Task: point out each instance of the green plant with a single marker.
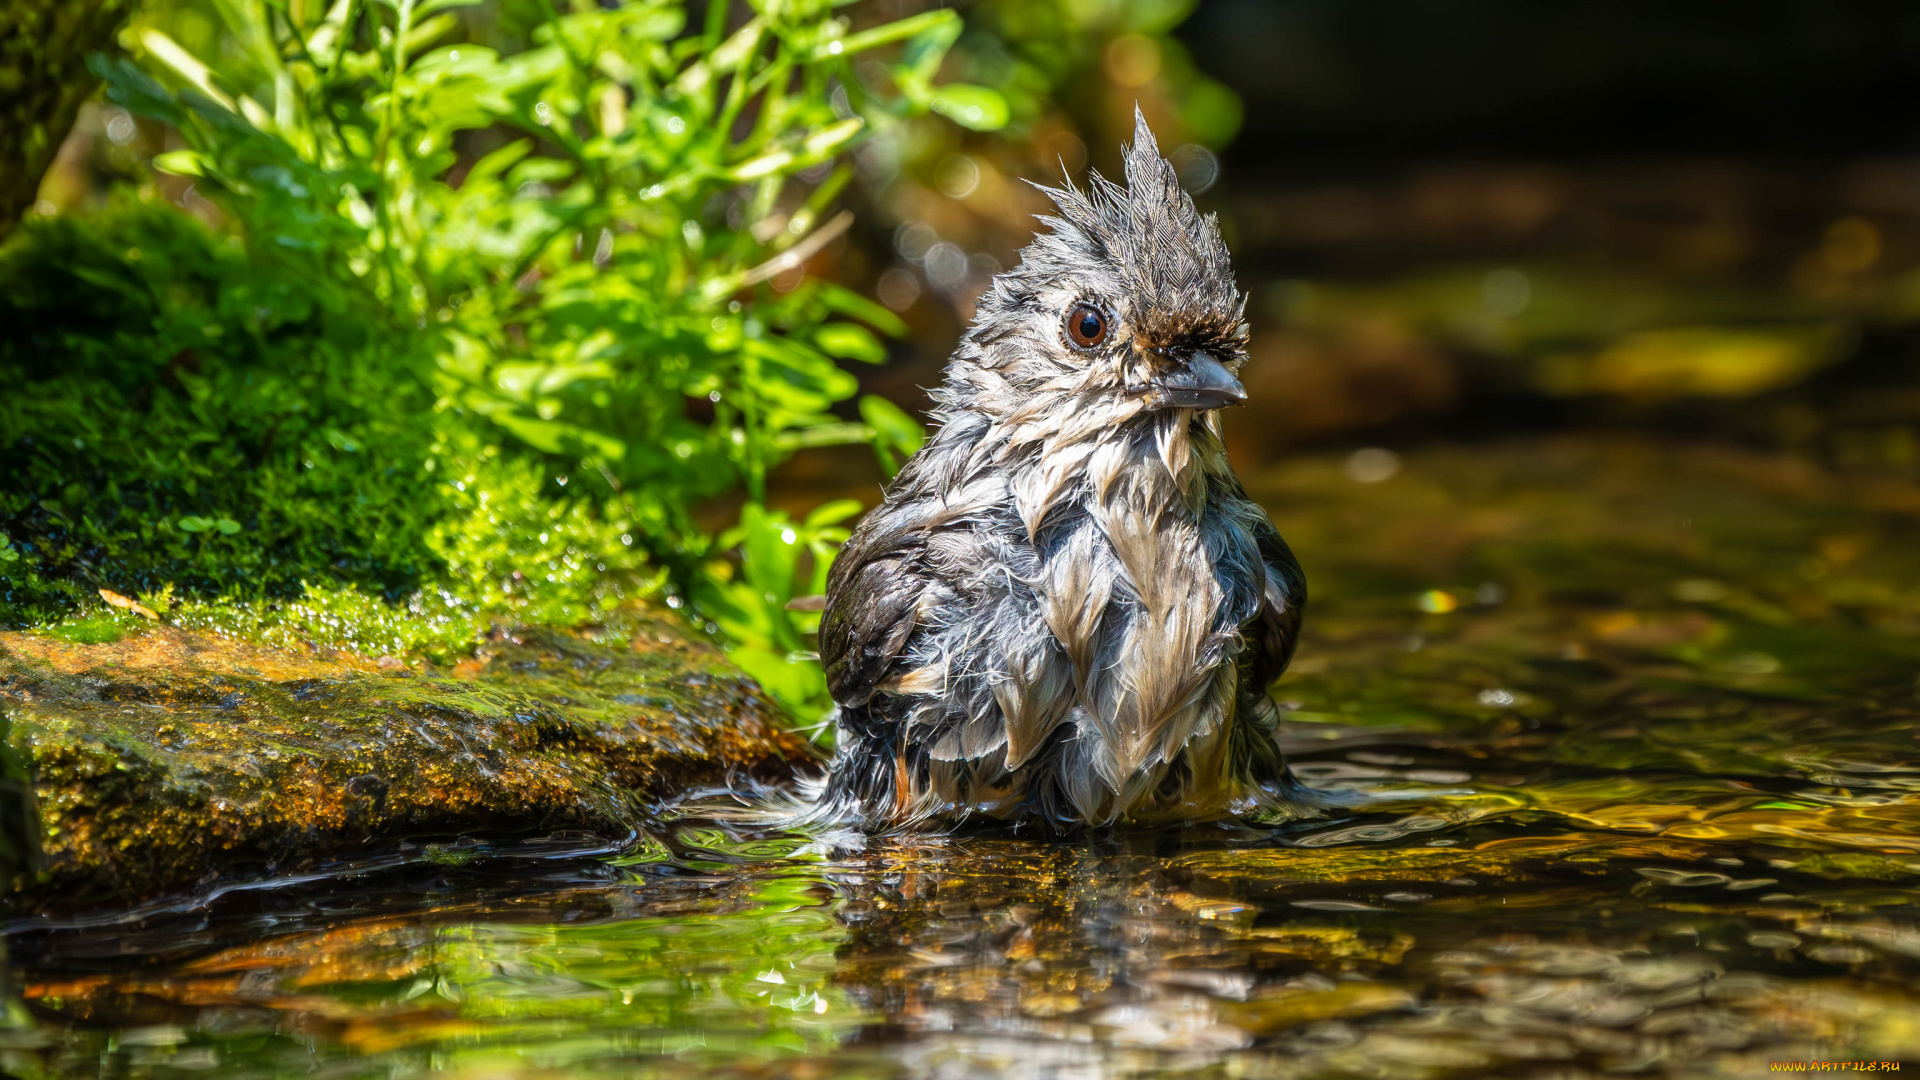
(1046, 53)
(585, 232)
(781, 559)
(178, 413)
(597, 267)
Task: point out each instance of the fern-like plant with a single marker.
(600, 233)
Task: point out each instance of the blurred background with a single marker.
(1491, 216)
(1467, 220)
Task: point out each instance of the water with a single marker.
(1636, 727)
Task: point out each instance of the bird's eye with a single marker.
(1086, 325)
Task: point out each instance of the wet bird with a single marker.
(1066, 610)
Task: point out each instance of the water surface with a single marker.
(1635, 728)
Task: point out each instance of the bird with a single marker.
(1065, 610)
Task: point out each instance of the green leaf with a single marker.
(847, 302)
(849, 342)
(827, 434)
(183, 64)
(558, 437)
(830, 138)
(797, 377)
(834, 512)
(795, 681)
(430, 31)
(924, 53)
(938, 20)
(892, 423)
(431, 6)
(764, 165)
(182, 162)
(498, 161)
(737, 49)
(894, 432)
(973, 107)
(134, 89)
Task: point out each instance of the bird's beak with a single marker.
(1203, 382)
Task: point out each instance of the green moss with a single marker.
(493, 373)
(182, 414)
(19, 813)
(447, 855)
(171, 755)
(89, 630)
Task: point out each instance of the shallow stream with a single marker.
(1630, 732)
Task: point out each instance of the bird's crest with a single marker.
(1169, 257)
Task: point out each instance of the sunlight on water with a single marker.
(1640, 796)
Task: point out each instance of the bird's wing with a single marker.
(872, 593)
(1276, 629)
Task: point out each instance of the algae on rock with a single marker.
(174, 760)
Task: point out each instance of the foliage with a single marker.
(780, 557)
(1038, 53)
(575, 239)
(1072, 73)
(605, 260)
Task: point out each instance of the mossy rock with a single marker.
(174, 762)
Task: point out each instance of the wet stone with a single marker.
(174, 761)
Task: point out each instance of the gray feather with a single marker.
(1066, 609)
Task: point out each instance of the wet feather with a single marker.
(1066, 610)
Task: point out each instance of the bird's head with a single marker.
(1126, 307)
